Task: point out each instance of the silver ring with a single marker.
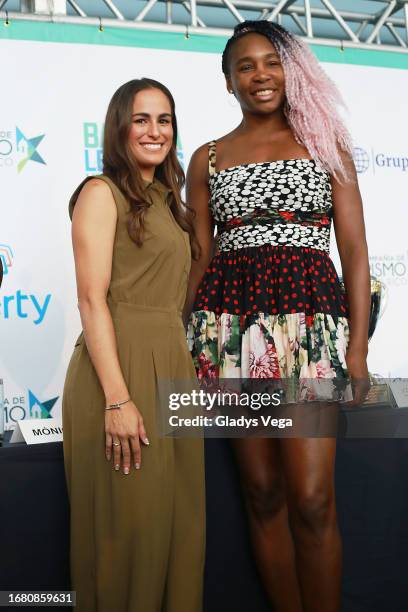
(116, 444)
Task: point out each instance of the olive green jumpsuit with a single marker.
(137, 540)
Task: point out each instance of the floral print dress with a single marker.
(270, 304)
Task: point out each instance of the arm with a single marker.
(352, 246)
(197, 198)
(93, 233)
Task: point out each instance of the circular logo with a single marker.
(5, 147)
(361, 160)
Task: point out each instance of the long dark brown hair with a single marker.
(121, 167)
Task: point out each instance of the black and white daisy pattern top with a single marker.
(284, 202)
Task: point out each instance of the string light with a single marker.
(7, 22)
(100, 25)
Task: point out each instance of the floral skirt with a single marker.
(270, 312)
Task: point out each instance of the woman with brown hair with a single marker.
(137, 535)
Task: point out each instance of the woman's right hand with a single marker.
(124, 429)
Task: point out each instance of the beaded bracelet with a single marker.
(117, 405)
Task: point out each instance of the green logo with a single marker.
(27, 149)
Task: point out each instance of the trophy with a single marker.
(379, 296)
(379, 393)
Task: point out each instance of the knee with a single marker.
(313, 512)
(264, 499)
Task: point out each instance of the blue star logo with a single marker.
(40, 410)
(27, 148)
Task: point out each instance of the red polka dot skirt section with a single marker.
(271, 280)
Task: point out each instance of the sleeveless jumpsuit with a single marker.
(137, 540)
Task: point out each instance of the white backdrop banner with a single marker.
(57, 82)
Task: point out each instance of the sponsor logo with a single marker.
(27, 149)
(391, 269)
(16, 150)
(17, 408)
(6, 257)
(93, 152)
(361, 160)
(377, 161)
(38, 409)
(20, 304)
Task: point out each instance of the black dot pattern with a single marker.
(273, 280)
(288, 187)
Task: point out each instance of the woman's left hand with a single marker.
(358, 372)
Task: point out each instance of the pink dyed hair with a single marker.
(312, 98)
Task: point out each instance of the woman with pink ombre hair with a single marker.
(269, 303)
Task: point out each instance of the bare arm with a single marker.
(93, 233)
(197, 198)
(352, 246)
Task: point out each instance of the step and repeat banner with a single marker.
(52, 107)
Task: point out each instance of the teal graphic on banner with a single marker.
(38, 409)
(17, 408)
(27, 149)
(17, 150)
(93, 143)
(19, 304)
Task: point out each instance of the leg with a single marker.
(309, 472)
(263, 486)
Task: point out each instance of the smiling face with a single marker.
(256, 74)
(151, 132)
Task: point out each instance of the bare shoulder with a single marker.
(198, 167)
(200, 155)
(202, 152)
(199, 159)
(96, 191)
(95, 202)
(96, 186)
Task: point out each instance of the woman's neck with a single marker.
(147, 174)
(263, 124)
